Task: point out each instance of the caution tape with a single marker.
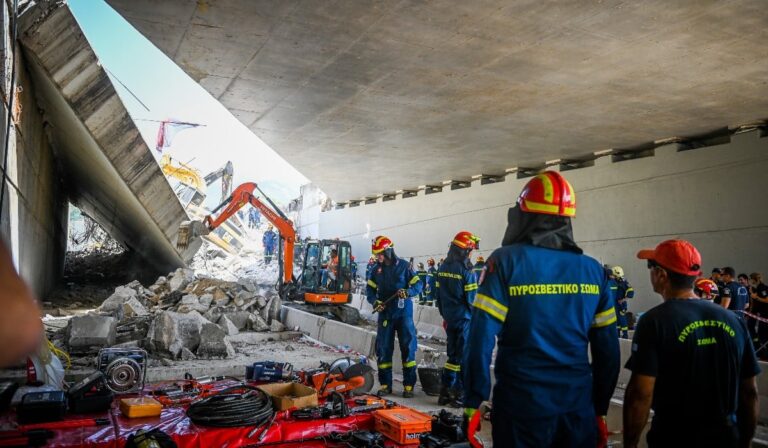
(754, 316)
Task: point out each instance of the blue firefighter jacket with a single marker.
(384, 281)
(455, 291)
(431, 282)
(545, 306)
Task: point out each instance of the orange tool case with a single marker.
(402, 425)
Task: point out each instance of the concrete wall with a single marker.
(712, 196)
(33, 218)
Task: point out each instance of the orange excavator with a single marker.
(324, 284)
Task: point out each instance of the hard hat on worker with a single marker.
(431, 261)
(550, 194)
(380, 244)
(466, 240)
(617, 271)
(480, 259)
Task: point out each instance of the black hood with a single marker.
(537, 229)
(458, 254)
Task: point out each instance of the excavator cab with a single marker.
(326, 275)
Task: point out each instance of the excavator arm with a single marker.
(241, 196)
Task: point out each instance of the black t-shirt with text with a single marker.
(698, 352)
(759, 307)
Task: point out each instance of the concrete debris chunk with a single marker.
(261, 301)
(91, 331)
(243, 297)
(228, 326)
(239, 318)
(187, 355)
(181, 278)
(214, 343)
(189, 299)
(114, 303)
(248, 285)
(206, 300)
(220, 298)
(170, 332)
(276, 326)
(161, 281)
(256, 323)
(133, 308)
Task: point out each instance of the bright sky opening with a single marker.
(155, 88)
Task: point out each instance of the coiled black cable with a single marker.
(240, 405)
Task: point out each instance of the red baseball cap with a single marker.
(676, 255)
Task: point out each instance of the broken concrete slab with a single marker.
(214, 343)
(133, 308)
(276, 326)
(206, 300)
(111, 173)
(187, 355)
(181, 278)
(257, 323)
(239, 318)
(91, 330)
(171, 331)
(228, 327)
(114, 303)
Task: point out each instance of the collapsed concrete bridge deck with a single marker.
(94, 154)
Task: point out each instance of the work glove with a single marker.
(378, 306)
(602, 431)
(401, 293)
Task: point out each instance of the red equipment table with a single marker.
(285, 431)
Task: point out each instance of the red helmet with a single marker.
(431, 261)
(705, 288)
(466, 240)
(548, 193)
(380, 244)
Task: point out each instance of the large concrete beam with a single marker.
(110, 172)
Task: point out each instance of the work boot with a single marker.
(384, 391)
(457, 399)
(445, 396)
(408, 392)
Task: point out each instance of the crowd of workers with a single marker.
(548, 307)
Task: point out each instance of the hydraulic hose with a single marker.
(240, 405)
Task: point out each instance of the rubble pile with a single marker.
(180, 316)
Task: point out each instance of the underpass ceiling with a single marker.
(367, 97)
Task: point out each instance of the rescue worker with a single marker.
(269, 241)
(431, 280)
(547, 304)
(716, 277)
(623, 292)
(479, 269)
(391, 286)
(422, 273)
(733, 296)
(455, 292)
(691, 362)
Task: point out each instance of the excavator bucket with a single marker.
(189, 231)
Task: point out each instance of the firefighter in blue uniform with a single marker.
(391, 285)
(479, 269)
(422, 273)
(269, 240)
(454, 293)
(431, 281)
(623, 292)
(548, 305)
